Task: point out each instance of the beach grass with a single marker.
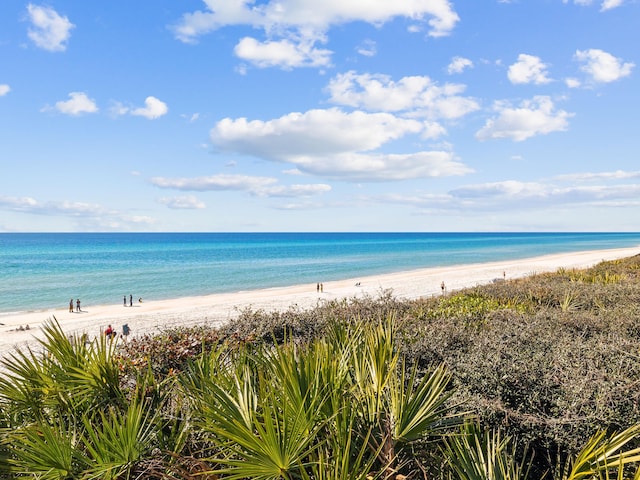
(531, 377)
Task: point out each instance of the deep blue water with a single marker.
(44, 270)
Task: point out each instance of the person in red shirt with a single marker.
(110, 332)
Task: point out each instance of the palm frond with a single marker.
(477, 455)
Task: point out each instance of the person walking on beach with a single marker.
(443, 287)
(71, 306)
(131, 300)
(78, 306)
(321, 288)
(318, 287)
(125, 300)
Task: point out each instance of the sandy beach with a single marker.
(155, 316)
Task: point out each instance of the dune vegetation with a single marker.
(521, 379)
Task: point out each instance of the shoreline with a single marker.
(216, 309)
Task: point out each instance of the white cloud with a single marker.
(604, 6)
(317, 15)
(282, 53)
(294, 191)
(528, 69)
(573, 82)
(335, 144)
(258, 186)
(602, 67)
(187, 202)
(48, 30)
(511, 189)
(358, 167)
(367, 48)
(534, 117)
(190, 117)
(433, 130)
(4, 89)
(417, 94)
(610, 4)
(90, 216)
(293, 27)
(214, 182)
(517, 196)
(77, 104)
(615, 175)
(325, 132)
(579, 2)
(458, 65)
(153, 109)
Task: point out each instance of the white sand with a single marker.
(155, 316)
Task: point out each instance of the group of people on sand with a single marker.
(319, 287)
(77, 305)
(130, 300)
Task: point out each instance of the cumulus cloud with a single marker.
(325, 132)
(152, 110)
(416, 94)
(78, 104)
(4, 89)
(282, 53)
(293, 27)
(48, 30)
(334, 144)
(258, 186)
(537, 116)
(458, 65)
(314, 15)
(358, 167)
(528, 69)
(602, 67)
(186, 202)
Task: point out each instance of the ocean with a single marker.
(44, 270)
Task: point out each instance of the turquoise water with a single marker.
(44, 270)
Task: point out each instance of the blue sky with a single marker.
(319, 115)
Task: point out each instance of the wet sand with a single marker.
(155, 316)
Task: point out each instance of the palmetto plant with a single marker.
(605, 457)
(484, 455)
(398, 407)
(119, 440)
(340, 407)
(66, 415)
(63, 377)
(346, 406)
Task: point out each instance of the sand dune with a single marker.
(154, 316)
